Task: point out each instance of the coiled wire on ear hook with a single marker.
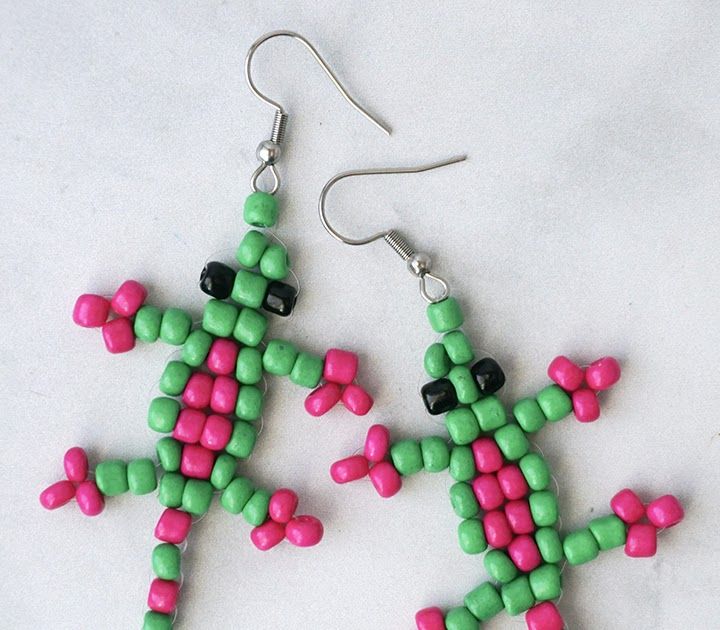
(418, 264)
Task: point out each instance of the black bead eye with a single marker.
(217, 280)
(439, 396)
(488, 375)
(280, 298)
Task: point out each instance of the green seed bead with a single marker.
(219, 318)
(307, 370)
(437, 361)
(545, 582)
(543, 508)
(465, 386)
(274, 264)
(170, 492)
(406, 456)
(223, 471)
(197, 496)
(249, 404)
(460, 619)
(255, 510)
(554, 402)
(517, 596)
(512, 441)
(458, 347)
(162, 414)
(248, 369)
(236, 495)
(251, 249)
(169, 452)
(156, 621)
(279, 357)
(435, 454)
(174, 378)
(609, 531)
(462, 425)
(141, 476)
(490, 413)
(260, 210)
(250, 328)
(196, 348)
(249, 288)
(528, 414)
(242, 440)
(463, 500)
(462, 463)
(147, 323)
(166, 561)
(499, 566)
(175, 326)
(484, 602)
(580, 547)
(535, 470)
(549, 544)
(111, 477)
(471, 536)
(445, 316)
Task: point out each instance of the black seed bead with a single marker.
(488, 375)
(280, 298)
(217, 280)
(439, 396)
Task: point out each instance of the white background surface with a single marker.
(585, 223)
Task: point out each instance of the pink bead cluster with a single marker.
(301, 531)
(76, 486)
(665, 511)
(93, 311)
(339, 372)
(598, 376)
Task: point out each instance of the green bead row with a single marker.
(601, 534)
(223, 319)
(114, 477)
(282, 358)
(410, 456)
(549, 405)
(241, 497)
(172, 326)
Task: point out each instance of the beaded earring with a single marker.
(501, 485)
(212, 400)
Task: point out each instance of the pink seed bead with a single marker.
(128, 298)
(323, 399)
(340, 366)
(163, 595)
(91, 310)
(665, 511)
(385, 479)
(222, 356)
(173, 526)
(586, 405)
(89, 499)
(282, 506)
(57, 495)
(602, 374)
(267, 535)
(628, 506)
(356, 400)
(349, 469)
(216, 433)
(566, 373)
(641, 540)
(487, 491)
(197, 461)
(224, 394)
(544, 616)
(429, 619)
(189, 426)
(377, 443)
(75, 463)
(519, 517)
(198, 390)
(304, 531)
(488, 458)
(118, 335)
(524, 553)
(497, 529)
(512, 482)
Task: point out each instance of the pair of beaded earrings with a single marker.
(212, 404)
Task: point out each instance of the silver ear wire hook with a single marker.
(419, 264)
(268, 151)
